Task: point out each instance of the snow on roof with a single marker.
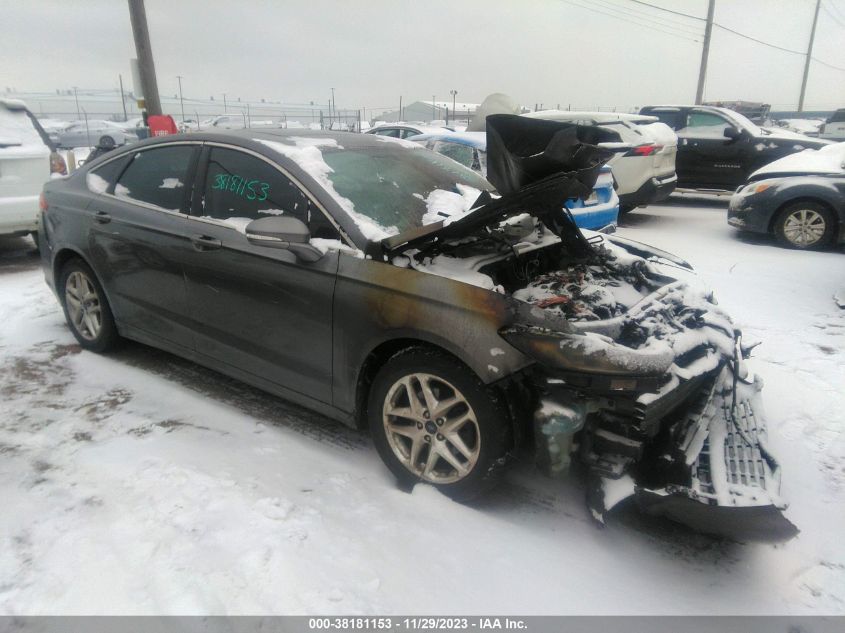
(597, 117)
(477, 140)
(17, 130)
(460, 106)
(827, 160)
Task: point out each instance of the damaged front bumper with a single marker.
(697, 455)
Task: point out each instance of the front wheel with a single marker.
(805, 225)
(433, 421)
(86, 308)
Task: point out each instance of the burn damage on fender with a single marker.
(635, 370)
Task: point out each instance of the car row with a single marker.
(458, 318)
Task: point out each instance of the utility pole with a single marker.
(705, 51)
(225, 109)
(122, 98)
(76, 97)
(181, 101)
(146, 67)
(400, 107)
(454, 113)
(334, 106)
(809, 57)
(433, 111)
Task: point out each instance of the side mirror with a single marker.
(732, 133)
(289, 234)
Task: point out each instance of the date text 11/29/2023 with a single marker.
(415, 624)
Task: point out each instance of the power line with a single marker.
(629, 20)
(818, 61)
(654, 6)
(643, 15)
(754, 39)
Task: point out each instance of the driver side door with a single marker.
(707, 158)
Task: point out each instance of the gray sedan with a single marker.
(800, 199)
(388, 287)
(92, 132)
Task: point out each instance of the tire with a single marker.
(805, 225)
(86, 308)
(625, 209)
(107, 142)
(463, 463)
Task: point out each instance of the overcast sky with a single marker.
(586, 53)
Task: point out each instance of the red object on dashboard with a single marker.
(161, 125)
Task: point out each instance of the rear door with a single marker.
(707, 158)
(258, 309)
(138, 238)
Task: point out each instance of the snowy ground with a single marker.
(140, 483)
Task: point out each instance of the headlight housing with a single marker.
(587, 353)
(759, 187)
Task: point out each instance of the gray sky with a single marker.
(372, 51)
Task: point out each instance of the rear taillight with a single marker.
(644, 150)
(42, 203)
(58, 164)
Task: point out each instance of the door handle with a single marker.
(101, 217)
(205, 243)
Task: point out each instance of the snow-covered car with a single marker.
(387, 286)
(799, 198)
(26, 161)
(644, 162)
(598, 211)
(718, 149)
(404, 130)
(92, 132)
(807, 127)
(225, 122)
(834, 128)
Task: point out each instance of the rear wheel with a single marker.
(433, 421)
(805, 225)
(86, 308)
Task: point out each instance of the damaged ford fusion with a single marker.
(389, 287)
(635, 370)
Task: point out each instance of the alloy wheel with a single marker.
(431, 428)
(804, 227)
(83, 305)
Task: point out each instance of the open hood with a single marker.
(536, 165)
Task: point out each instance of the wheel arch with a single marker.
(803, 198)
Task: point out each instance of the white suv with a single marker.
(26, 162)
(644, 166)
(834, 128)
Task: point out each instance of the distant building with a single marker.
(430, 111)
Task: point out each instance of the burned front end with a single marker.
(637, 373)
(641, 377)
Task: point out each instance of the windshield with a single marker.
(745, 122)
(403, 190)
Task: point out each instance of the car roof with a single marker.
(478, 140)
(595, 117)
(423, 129)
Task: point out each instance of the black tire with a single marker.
(107, 142)
(488, 424)
(625, 209)
(785, 230)
(105, 337)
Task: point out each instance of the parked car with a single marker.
(799, 198)
(834, 128)
(718, 149)
(225, 122)
(387, 286)
(599, 210)
(92, 132)
(27, 159)
(644, 165)
(807, 127)
(404, 130)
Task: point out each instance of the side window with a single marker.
(102, 179)
(457, 152)
(157, 176)
(390, 131)
(672, 118)
(240, 188)
(408, 133)
(704, 125)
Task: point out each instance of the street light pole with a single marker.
(181, 101)
(122, 97)
(454, 112)
(224, 103)
(146, 67)
(76, 97)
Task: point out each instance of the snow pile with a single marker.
(306, 153)
(447, 206)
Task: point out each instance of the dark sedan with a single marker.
(800, 199)
(389, 287)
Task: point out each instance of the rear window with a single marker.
(101, 179)
(672, 118)
(16, 129)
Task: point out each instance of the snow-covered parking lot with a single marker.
(141, 483)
